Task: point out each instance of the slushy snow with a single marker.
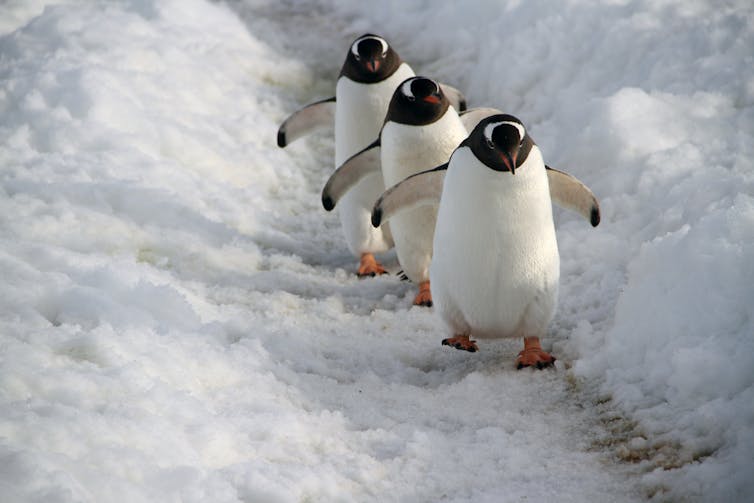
(180, 321)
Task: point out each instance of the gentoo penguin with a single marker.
(421, 130)
(495, 267)
(370, 73)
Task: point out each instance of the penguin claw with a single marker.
(424, 297)
(369, 274)
(461, 342)
(538, 359)
(369, 267)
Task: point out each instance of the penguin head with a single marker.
(500, 142)
(417, 101)
(370, 59)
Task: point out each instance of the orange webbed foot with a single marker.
(533, 355)
(369, 266)
(461, 342)
(424, 297)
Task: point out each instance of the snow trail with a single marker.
(383, 369)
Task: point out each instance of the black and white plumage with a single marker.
(495, 268)
(371, 71)
(421, 129)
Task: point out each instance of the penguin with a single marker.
(421, 130)
(495, 267)
(371, 71)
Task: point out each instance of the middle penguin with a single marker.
(421, 130)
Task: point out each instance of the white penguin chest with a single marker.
(409, 149)
(509, 216)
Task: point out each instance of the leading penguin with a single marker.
(370, 73)
(495, 268)
(421, 130)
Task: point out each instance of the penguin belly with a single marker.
(359, 114)
(496, 267)
(406, 150)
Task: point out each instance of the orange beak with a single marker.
(510, 161)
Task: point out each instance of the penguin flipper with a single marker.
(314, 116)
(471, 117)
(456, 97)
(350, 173)
(423, 188)
(567, 191)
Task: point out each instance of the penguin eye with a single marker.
(357, 57)
(521, 144)
(490, 145)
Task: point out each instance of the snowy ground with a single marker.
(179, 320)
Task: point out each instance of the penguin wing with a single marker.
(423, 188)
(473, 116)
(567, 191)
(350, 173)
(456, 97)
(310, 118)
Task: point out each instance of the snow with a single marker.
(179, 319)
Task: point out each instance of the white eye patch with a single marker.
(406, 89)
(491, 127)
(355, 45)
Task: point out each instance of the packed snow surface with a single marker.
(180, 321)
